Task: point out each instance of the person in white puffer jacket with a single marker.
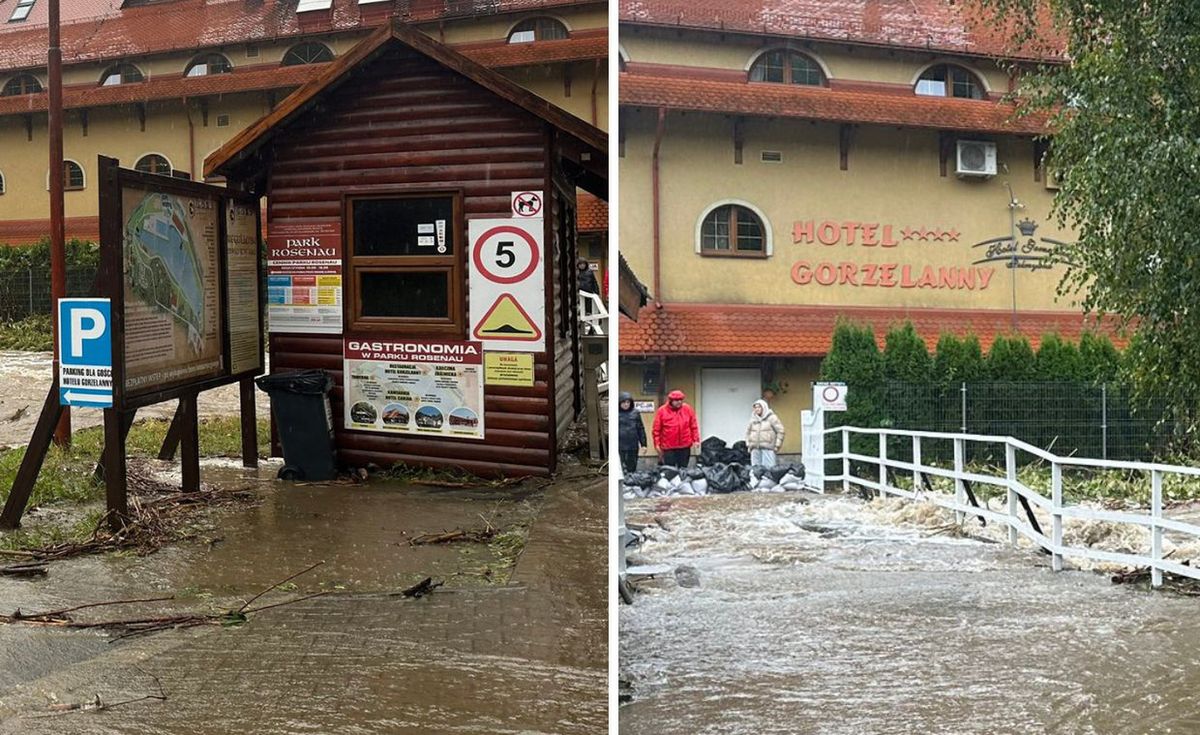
(764, 434)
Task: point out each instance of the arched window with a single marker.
(72, 176)
(733, 229)
(787, 67)
(152, 163)
(948, 80)
(537, 29)
(207, 64)
(307, 53)
(21, 84)
(121, 74)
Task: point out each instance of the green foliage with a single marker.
(1100, 362)
(33, 333)
(854, 359)
(958, 360)
(1011, 358)
(1058, 360)
(905, 356)
(1127, 149)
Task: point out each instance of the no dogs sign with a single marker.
(527, 204)
(508, 288)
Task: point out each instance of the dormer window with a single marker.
(21, 84)
(948, 80)
(208, 64)
(121, 74)
(307, 53)
(787, 67)
(21, 11)
(537, 29)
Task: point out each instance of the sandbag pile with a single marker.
(713, 451)
(777, 479)
(665, 481)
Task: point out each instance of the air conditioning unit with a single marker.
(976, 158)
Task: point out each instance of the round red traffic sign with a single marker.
(505, 264)
(830, 393)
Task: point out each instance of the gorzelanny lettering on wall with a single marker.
(974, 274)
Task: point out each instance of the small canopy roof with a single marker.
(582, 147)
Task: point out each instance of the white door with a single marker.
(726, 395)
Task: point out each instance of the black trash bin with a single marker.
(304, 419)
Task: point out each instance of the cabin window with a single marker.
(403, 263)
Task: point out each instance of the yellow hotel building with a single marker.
(161, 84)
(784, 164)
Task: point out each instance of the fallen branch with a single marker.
(477, 535)
(279, 584)
(30, 569)
(422, 588)
(99, 705)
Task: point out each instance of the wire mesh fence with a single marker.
(1081, 419)
(25, 291)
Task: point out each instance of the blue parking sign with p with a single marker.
(85, 352)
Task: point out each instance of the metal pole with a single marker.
(1104, 420)
(964, 407)
(58, 255)
(30, 270)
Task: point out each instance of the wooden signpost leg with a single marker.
(249, 424)
(31, 465)
(114, 469)
(171, 440)
(126, 425)
(189, 442)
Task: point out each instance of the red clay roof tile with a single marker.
(95, 30)
(591, 213)
(807, 331)
(29, 231)
(924, 25)
(822, 103)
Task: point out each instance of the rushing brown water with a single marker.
(828, 618)
(525, 656)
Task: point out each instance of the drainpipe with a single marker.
(658, 133)
(595, 81)
(196, 176)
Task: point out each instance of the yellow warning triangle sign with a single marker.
(507, 320)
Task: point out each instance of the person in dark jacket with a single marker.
(631, 433)
(587, 279)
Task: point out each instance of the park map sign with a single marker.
(188, 299)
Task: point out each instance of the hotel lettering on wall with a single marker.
(872, 254)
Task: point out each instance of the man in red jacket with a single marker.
(675, 431)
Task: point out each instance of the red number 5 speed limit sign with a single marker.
(507, 304)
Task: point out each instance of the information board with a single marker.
(242, 290)
(173, 311)
(304, 278)
(428, 388)
(180, 262)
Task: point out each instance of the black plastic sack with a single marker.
(722, 479)
(303, 382)
(712, 450)
(641, 479)
(668, 472)
(694, 474)
(743, 474)
(739, 453)
(778, 471)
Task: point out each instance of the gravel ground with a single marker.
(25, 377)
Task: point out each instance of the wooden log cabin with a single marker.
(403, 129)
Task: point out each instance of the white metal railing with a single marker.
(1154, 523)
(593, 315)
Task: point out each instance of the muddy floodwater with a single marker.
(499, 649)
(826, 614)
